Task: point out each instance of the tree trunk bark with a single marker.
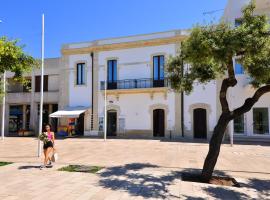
(214, 148)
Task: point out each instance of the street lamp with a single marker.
(3, 105)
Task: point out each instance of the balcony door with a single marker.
(158, 67)
(112, 74)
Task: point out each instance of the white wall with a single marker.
(80, 95)
(202, 94)
(136, 63)
(240, 93)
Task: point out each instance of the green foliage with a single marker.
(207, 53)
(5, 163)
(81, 168)
(13, 59)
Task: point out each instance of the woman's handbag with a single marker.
(54, 156)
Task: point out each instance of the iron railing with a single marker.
(134, 83)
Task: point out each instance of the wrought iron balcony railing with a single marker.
(134, 83)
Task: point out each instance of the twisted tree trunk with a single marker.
(225, 118)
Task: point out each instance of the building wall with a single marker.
(32, 98)
(135, 107)
(202, 96)
(80, 95)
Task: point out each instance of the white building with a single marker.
(22, 102)
(255, 123)
(139, 101)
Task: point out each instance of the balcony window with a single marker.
(158, 67)
(260, 121)
(112, 74)
(80, 74)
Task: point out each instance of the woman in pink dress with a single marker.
(48, 147)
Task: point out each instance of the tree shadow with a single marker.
(138, 180)
(145, 180)
(225, 193)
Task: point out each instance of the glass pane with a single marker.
(82, 73)
(79, 74)
(156, 77)
(161, 72)
(239, 124)
(110, 71)
(114, 70)
(260, 121)
(239, 68)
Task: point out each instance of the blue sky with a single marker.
(84, 20)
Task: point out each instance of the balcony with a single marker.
(134, 84)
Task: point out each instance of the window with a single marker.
(112, 71)
(80, 74)
(260, 121)
(112, 74)
(158, 67)
(238, 125)
(238, 22)
(238, 68)
(38, 81)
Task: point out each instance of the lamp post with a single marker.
(3, 105)
(41, 87)
(105, 104)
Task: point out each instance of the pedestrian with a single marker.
(48, 147)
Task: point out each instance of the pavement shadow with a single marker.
(138, 180)
(29, 167)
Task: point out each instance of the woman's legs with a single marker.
(45, 156)
(49, 154)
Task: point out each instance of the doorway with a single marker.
(159, 123)
(199, 120)
(111, 122)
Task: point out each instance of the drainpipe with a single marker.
(92, 111)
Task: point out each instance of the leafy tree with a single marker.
(208, 52)
(14, 59)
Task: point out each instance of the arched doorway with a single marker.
(111, 122)
(159, 123)
(199, 123)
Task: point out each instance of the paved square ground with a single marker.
(134, 169)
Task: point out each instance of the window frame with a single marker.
(82, 75)
(159, 67)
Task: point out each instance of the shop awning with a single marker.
(69, 112)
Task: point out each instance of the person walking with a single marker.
(48, 147)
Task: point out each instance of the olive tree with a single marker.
(209, 51)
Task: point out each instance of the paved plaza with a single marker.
(134, 169)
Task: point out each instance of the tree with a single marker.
(209, 53)
(13, 59)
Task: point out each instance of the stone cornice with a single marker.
(124, 45)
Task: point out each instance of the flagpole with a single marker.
(105, 104)
(3, 107)
(41, 87)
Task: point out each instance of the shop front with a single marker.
(72, 121)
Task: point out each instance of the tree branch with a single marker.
(226, 83)
(249, 102)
